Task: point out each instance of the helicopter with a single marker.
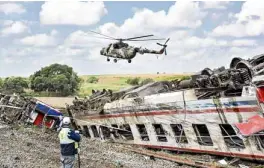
(123, 51)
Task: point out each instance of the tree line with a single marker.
(58, 79)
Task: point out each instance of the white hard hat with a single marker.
(66, 120)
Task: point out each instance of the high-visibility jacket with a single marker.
(69, 141)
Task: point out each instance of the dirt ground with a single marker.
(33, 148)
(27, 147)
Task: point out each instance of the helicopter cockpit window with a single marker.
(115, 46)
(107, 49)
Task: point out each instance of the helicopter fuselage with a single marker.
(120, 51)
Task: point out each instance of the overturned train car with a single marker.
(15, 109)
(218, 112)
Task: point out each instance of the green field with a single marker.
(116, 82)
(113, 82)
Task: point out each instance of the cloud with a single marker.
(14, 27)
(215, 4)
(84, 39)
(184, 44)
(244, 42)
(178, 15)
(188, 49)
(72, 13)
(248, 22)
(40, 40)
(9, 8)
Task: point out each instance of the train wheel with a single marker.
(129, 61)
(115, 60)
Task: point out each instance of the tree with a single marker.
(133, 81)
(14, 85)
(185, 77)
(55, 78)
(146, 81)
(92, 79)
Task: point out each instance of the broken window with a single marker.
(179, 133)
(230, 137)
(160, 133)
(143, 132)
(259, 138)
(86, 131)
(125, 131)
(94, 130)
(105, 131)
(114, 131)
(202, 134)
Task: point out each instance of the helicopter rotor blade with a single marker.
(102, 35)
(138, 37)
(145, 40)
(104, 38)
(167, 41)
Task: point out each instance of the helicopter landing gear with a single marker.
(115, 60)
(108, 59)
(129, 61)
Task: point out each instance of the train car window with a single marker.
(161, 135)
(115, 131)
(259, 139)
(105, 131)
(202, 134)
(143, 132)
(86, 132)
(179, 133)
(126, 132)
(95, 131)
(230, 137)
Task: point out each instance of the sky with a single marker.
(202, 34)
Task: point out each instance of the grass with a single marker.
(113, 82)
(117, 82)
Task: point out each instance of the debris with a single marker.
(234, 161)
(173, 158)
(254, 125)
(243, 166)
(223, 162)
(15, 109)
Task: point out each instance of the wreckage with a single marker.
(218, 112)
(15, 109)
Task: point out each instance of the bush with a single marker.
(146, 81)
(1, 83)
(133, 81)
(14, 85)
(185, 78)
(92, 79)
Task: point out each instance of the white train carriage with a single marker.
(179, 121)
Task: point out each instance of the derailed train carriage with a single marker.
(18, 109)
(217, 112)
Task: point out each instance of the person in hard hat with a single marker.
(69, 143)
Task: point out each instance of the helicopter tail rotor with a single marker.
(164, 46)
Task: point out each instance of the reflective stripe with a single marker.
(63, 136)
